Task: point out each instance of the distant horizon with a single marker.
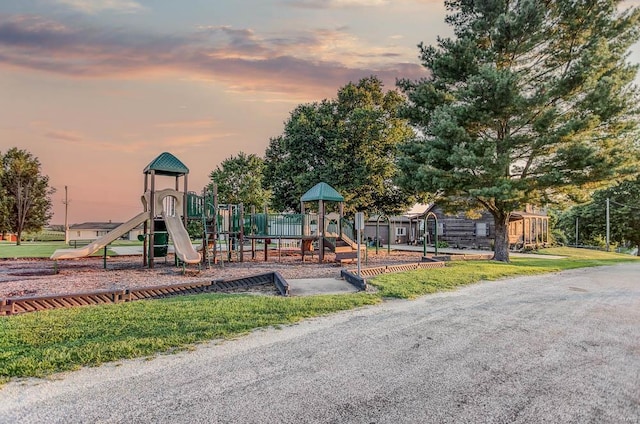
(97, 89)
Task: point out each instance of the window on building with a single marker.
(401, 231)
(482, 229)
(440, 228)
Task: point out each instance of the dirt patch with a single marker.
(37, 277)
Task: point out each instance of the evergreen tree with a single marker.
(28, 195)
(531, 102)
(349, 142)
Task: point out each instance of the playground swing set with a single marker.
(226, 227)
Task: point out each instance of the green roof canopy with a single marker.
(167, 164)
(322, 191)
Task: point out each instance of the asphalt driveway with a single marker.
(557, 348)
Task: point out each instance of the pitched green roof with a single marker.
(322, 191)
(167, 164)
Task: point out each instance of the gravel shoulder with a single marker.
(561, 347)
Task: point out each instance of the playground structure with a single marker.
(161, 218)
(226, 227)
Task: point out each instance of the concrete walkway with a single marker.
(315, 286)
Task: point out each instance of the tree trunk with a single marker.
(18, 237)
(638, 250)
(501, 244)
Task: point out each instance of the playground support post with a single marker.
(216, 230)
(152, 208)
(252, 224)
(321, 231)
(241, 229)
(359, 218)
(145, 229)
(205, 242)
(266, 230)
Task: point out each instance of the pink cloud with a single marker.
(301, 63)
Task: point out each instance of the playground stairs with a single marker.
(346, 250)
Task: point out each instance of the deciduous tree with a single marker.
(239, 180)
(624, 216)
(28, 193)
(529, 102)
(349, 142)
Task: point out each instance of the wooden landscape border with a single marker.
(20, 305)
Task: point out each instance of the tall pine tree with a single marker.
(531, 102)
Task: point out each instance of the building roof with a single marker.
(98, 226)
(95, 226)
(418, 209)
(516, 215)
(167, 164)
(322, 191)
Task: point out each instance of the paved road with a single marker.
(561, 348)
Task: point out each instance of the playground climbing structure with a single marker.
(227, 228)
(164, 218)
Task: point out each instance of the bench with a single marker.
(80, 243)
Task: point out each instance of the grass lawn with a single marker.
(42, 343)
(28, 249)
(409, 285)
(44, 249)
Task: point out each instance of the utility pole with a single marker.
(607, 224)
(66, 214)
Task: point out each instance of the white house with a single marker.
(95, 230)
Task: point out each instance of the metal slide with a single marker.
(102, 241)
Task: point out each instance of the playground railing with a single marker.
(347, 229)
(196, 205)
(284, 224)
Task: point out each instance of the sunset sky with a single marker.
(96, 89)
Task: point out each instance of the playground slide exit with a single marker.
(178, 233)
(181, 240)
(101, 242)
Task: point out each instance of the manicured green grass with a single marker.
(39, 344)
(42, 343)
(44, 249)
(412, 284)
(30, 249)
